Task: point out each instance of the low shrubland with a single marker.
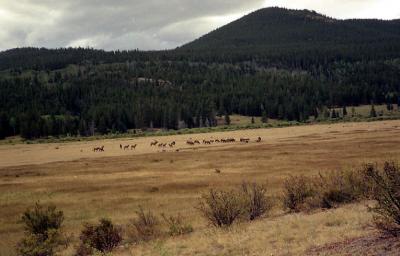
(323, 191)
(222, 208)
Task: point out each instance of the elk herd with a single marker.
(190, 142)
(132, 147)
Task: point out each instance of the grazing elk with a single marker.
(98, 149)
(244, 140)
(189, 142)
(154, 143)
(126, 147)
(133, 146)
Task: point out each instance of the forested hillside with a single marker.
(274, 62)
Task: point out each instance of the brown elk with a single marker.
(189, 142)
(258, 139)
(126, 147)
(154, 143)
(120, 146)
(244, 140)
(133, 146)
(101, 149)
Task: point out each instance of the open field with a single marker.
(88, 185)
(238, 122)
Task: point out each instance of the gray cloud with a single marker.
(150, 24)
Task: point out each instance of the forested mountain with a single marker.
(275, 62)
(283, 28)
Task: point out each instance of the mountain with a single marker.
(275, 63)
(284, 28)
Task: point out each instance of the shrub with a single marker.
(103, 237)
(176, 225)
(43, 235)
(337, 188)
(40, 220)
(147, 225)
(297, 189)
(221, 208)
(323, 191)
(256, 201)
(386, 191)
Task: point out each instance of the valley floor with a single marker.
(88, 185)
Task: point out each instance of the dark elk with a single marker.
(258, 139)
(98, 149)
(154, 143)
(133, 146)
(162, 145)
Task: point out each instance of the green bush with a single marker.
(103, 237)
(43, 235)
(386, 191)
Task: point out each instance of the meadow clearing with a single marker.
(88, 185)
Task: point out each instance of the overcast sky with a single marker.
(148, 24)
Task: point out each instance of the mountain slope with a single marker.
(277, 27)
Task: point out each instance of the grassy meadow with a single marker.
(89, 185)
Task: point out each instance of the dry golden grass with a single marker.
(88, 185)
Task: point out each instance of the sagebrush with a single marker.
(146, 225)
(386, 192)
(103, 237)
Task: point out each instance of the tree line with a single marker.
(86, 99)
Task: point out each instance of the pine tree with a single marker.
(398, 103)
(334, 115)
(252, 120)
(13, 124)
(264, 117)
(227, 119)
(372, 112)
(327, 114)
(344, 111)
